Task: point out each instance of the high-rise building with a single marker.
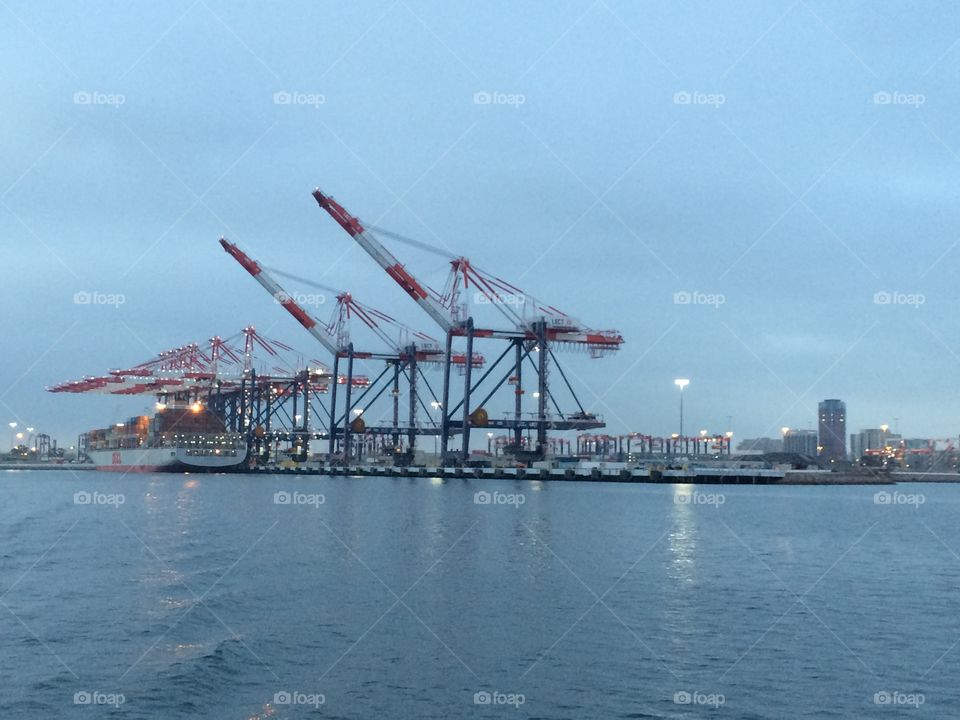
(802, 442)
(833, 430)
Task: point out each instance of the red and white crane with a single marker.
(450, 308)
(410, 348)
(536, 327)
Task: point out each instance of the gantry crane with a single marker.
(534, 332)
(407, 354)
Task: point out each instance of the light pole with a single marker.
(436, 406)
(729, 440)
(681, 383)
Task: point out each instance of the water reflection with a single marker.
(682, 540)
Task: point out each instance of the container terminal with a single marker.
(249, 403)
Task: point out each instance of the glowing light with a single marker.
(161, 406)
(196, 407)
(681, 383)
(784, 430)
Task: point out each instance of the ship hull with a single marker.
(164, 459)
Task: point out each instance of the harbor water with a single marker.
(239, 596)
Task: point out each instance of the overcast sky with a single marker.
(790, 169)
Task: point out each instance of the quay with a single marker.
(691, 475)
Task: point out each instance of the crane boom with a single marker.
(385, 259)
(280, 295)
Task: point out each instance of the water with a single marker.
(200, 596)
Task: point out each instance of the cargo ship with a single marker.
(185, 438)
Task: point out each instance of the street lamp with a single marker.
(681, 383)
(489, 443)
(436, 406)
(729, 435)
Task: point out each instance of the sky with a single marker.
(760, 196)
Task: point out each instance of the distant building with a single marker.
(760, 446)
(833, 430)
(801, 442)
(872, 439)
